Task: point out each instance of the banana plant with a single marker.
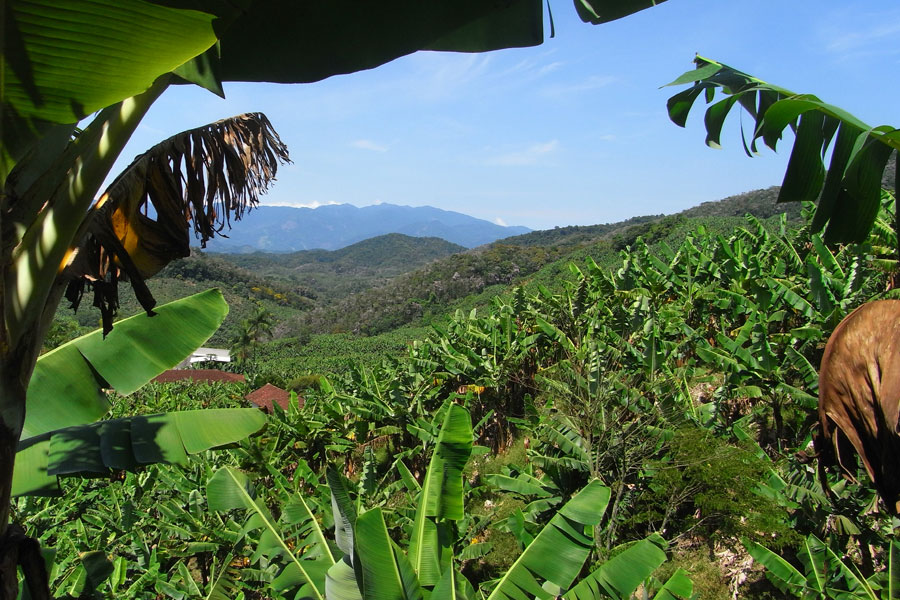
(294, 541)
(549, 565)
(373, 565)
(826, 574)
(59, 71)
(68, 394)
(850, 188)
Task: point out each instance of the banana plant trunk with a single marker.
(16, 548)
(38, 228)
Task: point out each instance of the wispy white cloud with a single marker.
(532, 155)
(448, 76)
(313, 204)
(369, 145)
(549, 68)
(500, 222)
(442, 76)
(864, 38)
(594, 82)
(859, 36)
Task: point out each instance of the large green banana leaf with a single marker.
(559, 551)
(67, 387)
(126, 443)
(620, 576)
(678, 587)
(849, 192)
(442, 495)
(386, 573)
(64, 59)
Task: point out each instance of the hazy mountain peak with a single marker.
(334, 226)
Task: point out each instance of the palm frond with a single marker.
(199, 179)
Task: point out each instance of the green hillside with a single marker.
(286, 285)
(325, 275)
(395, 280)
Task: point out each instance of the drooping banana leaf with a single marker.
(99, 448)
(559, 551)
(442, 495)
(849, 191)
(199, 181)
(67, 387)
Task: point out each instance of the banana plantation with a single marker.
(644, 431)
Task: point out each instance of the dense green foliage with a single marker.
(683, 380)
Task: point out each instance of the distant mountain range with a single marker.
(290, 229)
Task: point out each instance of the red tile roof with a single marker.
(198, 375)
(265, 396)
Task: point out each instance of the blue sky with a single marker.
(572, 132)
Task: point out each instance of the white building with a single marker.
(205, 355)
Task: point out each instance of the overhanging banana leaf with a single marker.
(126, 443)
(286, 41)
(115, 49)
(64, 59)
(67, 387)
(559, 551)
(849, 192)
(604, 11)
